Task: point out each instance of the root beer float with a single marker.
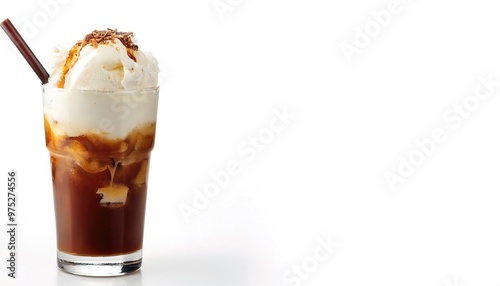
(100, 107)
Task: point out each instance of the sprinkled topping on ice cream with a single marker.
(103, 60)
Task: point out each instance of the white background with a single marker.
(322, 177)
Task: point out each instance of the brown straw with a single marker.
(21, 45)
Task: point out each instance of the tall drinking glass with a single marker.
(100, 144)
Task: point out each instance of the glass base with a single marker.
(99, 265)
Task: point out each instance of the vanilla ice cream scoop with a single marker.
(103, 60)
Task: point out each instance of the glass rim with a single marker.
(105, 91)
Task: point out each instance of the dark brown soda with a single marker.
(83, 165)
